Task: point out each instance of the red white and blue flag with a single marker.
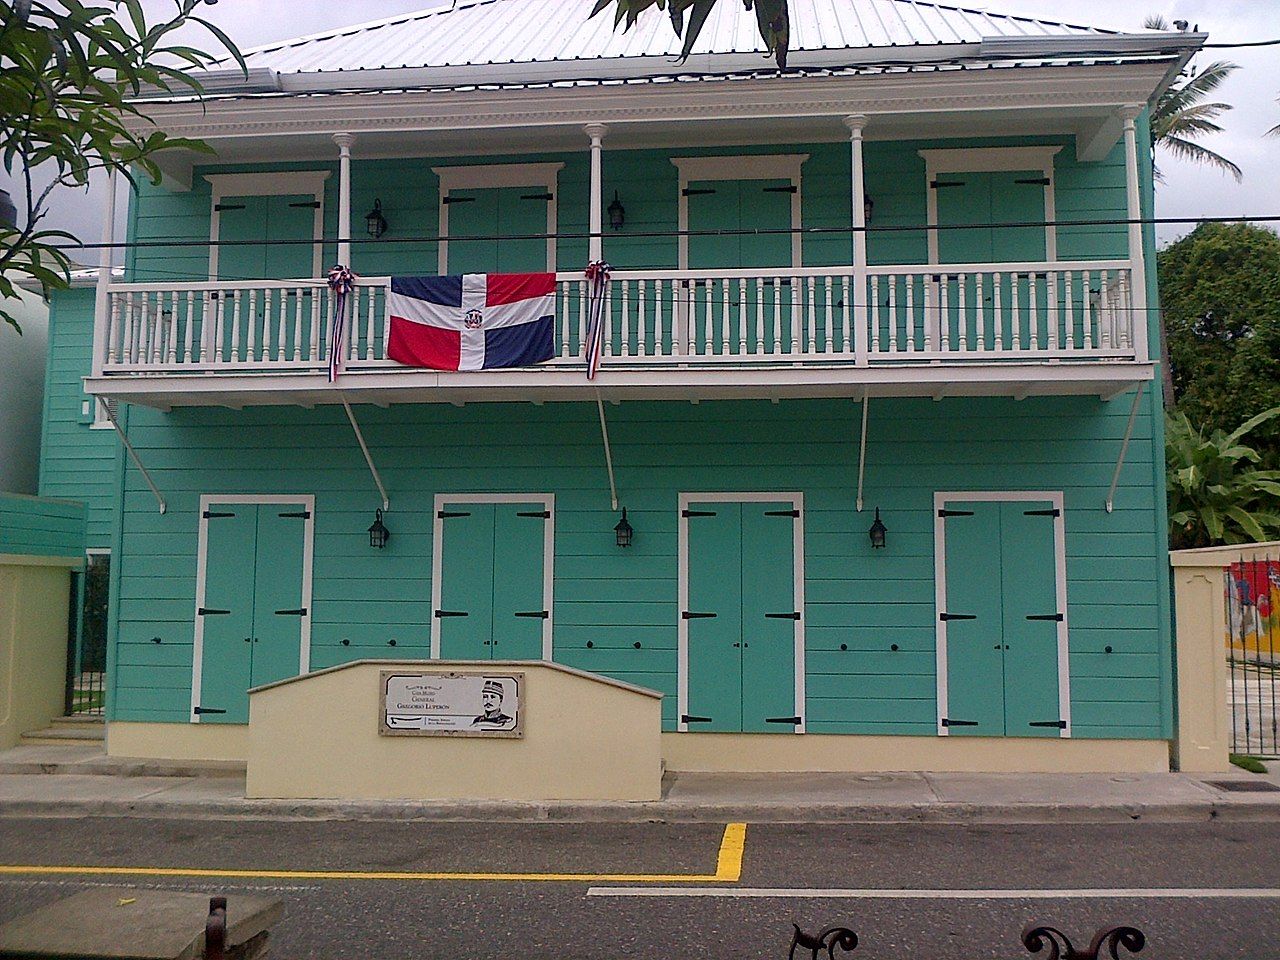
(473, 321)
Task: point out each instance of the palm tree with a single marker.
(1181, 115)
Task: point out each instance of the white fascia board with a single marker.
(1060, 88)
(1125, 44)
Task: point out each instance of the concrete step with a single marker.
(89, 759)
(67, 733)
(94, 721)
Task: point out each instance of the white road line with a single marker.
(813, 893)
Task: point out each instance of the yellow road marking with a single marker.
(728, 870)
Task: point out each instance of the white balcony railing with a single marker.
(950, 314)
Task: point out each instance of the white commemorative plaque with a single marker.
(421, 703)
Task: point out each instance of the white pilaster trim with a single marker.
(766, 166)
(487, 175)
(344, 142)
(984, 160)
(293, 182)
(101, 302)
(1137, 255)
(595, 244)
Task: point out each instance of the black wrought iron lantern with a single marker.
(617, 213)
(868, 206)
(378, 533)
(623, 531)
(374, 221)
(877, 532)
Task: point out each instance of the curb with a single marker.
(661, 812)
(116, 768)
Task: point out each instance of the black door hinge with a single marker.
(697, 513)
(1037, 181)
(209, 612)
(697, 191)
(299, 612)
(451, 613)
(228, 206)
(955, 513)
(783, 513)
(458, 200)
(199, 710)
(1042, 513)
(794, 721)
(686, 718)
(536, 196)
(445, 514)
(793, 615)
(308, 204)
(945, 617)
(1045, 616)
(690, 615)
(535, 614)
(300, 515)
(939, 184)
(948, 722)
(790, 188)
(1059, 724)
(213, 514)
(540, 514)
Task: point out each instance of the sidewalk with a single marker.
(78, 781)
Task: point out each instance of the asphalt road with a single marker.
(402, 917)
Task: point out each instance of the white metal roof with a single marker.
(503, 32)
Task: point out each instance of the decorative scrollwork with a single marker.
(829, 939)
(1035, 937)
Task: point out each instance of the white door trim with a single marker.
(682, 625)
(984, 160)
(1060, 581)
(293, 183)
(548, 500)
(308, 503)
(780, 166)
(487, 176)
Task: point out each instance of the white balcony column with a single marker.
(860, 309)
(595, 245)
(101, 299)
(344, 142)
(1137, 258)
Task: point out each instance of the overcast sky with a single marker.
(1188, 190)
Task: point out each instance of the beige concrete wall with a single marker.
(1200, 612)
(178, 741)
(585, 738)
(33, 646)
(807, 753)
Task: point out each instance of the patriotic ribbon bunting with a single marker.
(597, 274)
(341, 281)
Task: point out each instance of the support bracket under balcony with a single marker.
(110, 407)
(608, 453)
(1124, 447)
(862, 446)
(364, 448)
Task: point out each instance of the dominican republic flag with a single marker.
(472, 321)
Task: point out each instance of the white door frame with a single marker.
(292, 183)
(490, 176)
(940, 499)
(308, 503)
(548, 500)
(682, 625)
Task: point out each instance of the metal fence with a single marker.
(1253, 655)
(87, 639)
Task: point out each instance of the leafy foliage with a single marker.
(1181, 116)
(772, 20)
(1217, 493)
(1220, 298)
(69, 76)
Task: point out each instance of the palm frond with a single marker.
(1194, 153)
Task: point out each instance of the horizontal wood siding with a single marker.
(76, 462)
(646, 183)
(33, 526)
(860, 604)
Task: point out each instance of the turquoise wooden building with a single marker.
(905, 283)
